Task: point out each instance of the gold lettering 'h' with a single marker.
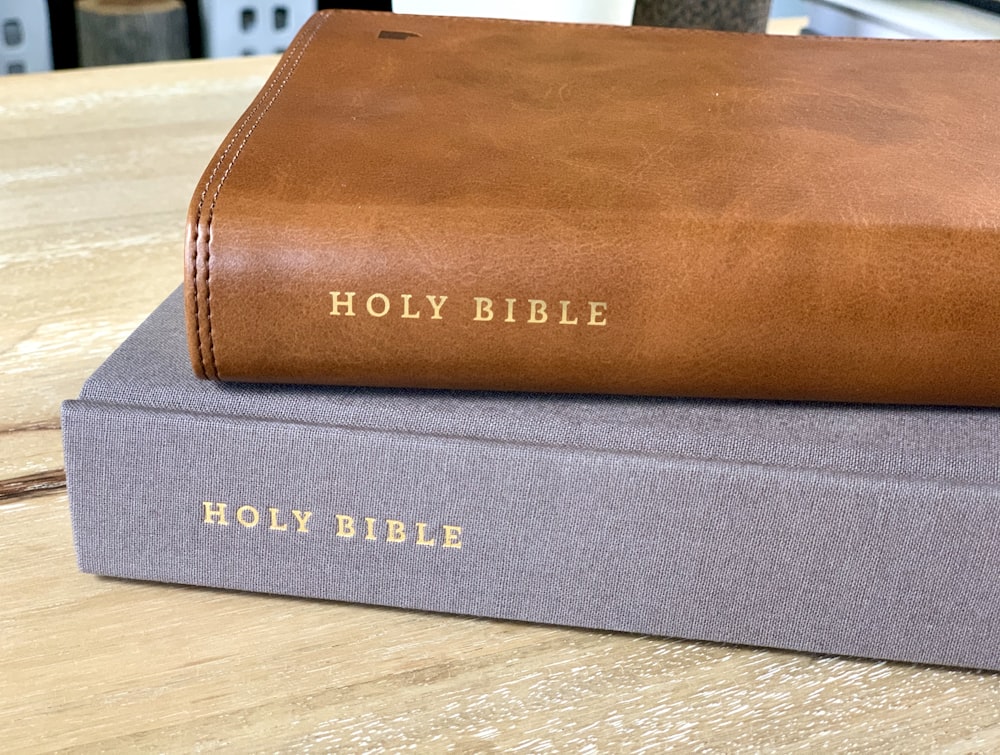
(346, 301)
(215, 513)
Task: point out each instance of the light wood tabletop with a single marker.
(96, 167)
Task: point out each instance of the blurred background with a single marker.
(41, 35)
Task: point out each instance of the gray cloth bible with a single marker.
(859, 530)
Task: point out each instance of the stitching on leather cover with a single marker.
(319, 20)
(201, 203)
(239, 150)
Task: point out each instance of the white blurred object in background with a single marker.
(231, 28)
(25, 39)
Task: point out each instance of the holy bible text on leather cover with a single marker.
(465, 203)
(860, 530)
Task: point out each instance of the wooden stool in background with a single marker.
(723, 15)
(112, 32)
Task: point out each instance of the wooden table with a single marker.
(96, 167)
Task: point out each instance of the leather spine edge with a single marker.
(197, 247)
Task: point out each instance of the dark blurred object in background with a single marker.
(62, 20)
(385, 5)
(724, 15)
(114, 32)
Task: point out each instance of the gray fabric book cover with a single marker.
(859, 530)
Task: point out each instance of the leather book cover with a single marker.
(831, 528)
(478, 204)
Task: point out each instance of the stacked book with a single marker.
(672, 332)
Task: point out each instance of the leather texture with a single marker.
(724, 215)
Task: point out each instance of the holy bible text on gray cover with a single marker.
(858, 530)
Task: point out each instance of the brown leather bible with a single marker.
(465, 203)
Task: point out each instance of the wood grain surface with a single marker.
(95, 171)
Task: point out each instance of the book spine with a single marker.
(688, 236)
(812, 560)
(729, 310)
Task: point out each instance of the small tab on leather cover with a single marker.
(386, 34)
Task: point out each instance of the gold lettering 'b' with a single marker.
(537, 311)
(345, 526)
(347, 302)
(484, 309)
(395, 531)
